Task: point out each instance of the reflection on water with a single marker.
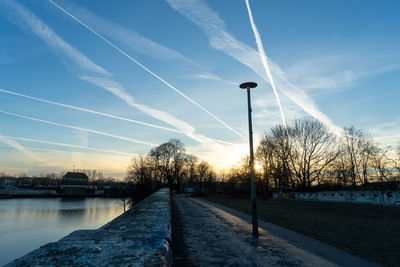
(27, 224)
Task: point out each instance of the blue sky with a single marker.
(337, 61)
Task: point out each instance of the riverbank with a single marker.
(40, 193)
(141, 235)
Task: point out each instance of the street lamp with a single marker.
(254, 220)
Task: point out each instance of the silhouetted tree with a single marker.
(139, 172)
(203, 171)
(312, 150)
(356, 155)
(190, 166)
(273, 155)
(169, 159)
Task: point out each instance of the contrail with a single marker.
(122, 35)
(215, 28)
(120, 92)
(108, 115)
(18, 147)
(80, 129)
(40, 149)
(264, 60)
(92, 111)
(45, 33)
(67, 145)
(146, 69)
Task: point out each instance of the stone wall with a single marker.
(139, 237)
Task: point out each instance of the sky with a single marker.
(90, 84)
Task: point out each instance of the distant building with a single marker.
(74, 183)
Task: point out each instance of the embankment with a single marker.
(139, 237)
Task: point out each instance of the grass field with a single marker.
(369, 231)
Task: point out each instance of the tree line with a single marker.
(302, 156)
(95, 177)
(306, 155)
(169, 164)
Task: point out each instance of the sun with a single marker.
(258, 167)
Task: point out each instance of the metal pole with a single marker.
(186, 189)
(252, 178)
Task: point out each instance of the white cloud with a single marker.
(214, 27)
(322, 73)
(264, 60)
(19, 147)
(67, 145)
(80, 129)
(123, 35)
(102, 77)
(387, 133)
(25, 18)
(208, 76)
(118, 90)
(147, 69)
(268, 115)
(90, 111)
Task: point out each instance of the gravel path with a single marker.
(204, 235)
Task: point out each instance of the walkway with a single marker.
(207, 234)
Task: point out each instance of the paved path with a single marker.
(207, 234)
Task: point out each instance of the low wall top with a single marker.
(387, 197)
(139, 237)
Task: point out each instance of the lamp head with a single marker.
(249, 85)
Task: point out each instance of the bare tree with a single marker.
(168, 159)
(178, 157)
(92, 174)
(339, 169)
(313, 149)
(357, 153)
(52, 175)
(203, 171)
(190, 163)
(395, 162)
(210, 178)
(233, 178)
(381, 164)
(139, 171)
(273, 155)
(126, 202)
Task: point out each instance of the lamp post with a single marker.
(247, 86)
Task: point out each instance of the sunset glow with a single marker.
(92, 84)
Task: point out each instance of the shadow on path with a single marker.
(206, 234)
(179, 248)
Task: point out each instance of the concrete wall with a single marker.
(374, 197)
(139, 237)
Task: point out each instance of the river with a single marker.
(28, 223)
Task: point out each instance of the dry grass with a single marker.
(369, 231)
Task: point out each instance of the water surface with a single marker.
(26, 224)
